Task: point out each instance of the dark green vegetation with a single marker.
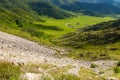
(98, 9)
(117, 68)
(118, 64)
(8, 71)
(89, 7)
(43, 8)
(29, 11)
(62, 2)
(99, 34)
(93, 65)
(100, 41)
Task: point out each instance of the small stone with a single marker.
(33, 76)
(74, 71)
(40, 70)
(45, 60)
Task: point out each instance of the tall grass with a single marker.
(9, 71)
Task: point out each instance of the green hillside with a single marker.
(25, 10)
(89, 7)
(92, 9)
(100, 41)
(61, 2)
(43, 8)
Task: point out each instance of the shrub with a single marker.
(93, 65)
(34, 32)
(117, 70)
(19, 23)
(9, 72)
(118, 64)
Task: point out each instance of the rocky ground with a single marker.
(20, 51)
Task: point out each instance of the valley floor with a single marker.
(22, 52)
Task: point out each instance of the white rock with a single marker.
(74, 71)
(33, 76)
(40, 70)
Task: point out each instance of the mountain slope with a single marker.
(26, 18)
(61, 2)
(99, 34)
(97, 1)
(89, 7)
(100, 8)
(96, 42)
(43, 8)
(25, 9)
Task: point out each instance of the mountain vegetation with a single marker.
(100, 39)
(28, 10)
(30, 19)
(43, 8)
(99, 34)
(98, 9)
(89, 7)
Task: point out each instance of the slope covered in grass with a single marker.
(100, 41)
(98, 9)
(99, 34)
(28, 10)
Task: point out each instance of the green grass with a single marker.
(9, 71)
(67, 77)
(117, 70)
(12, 72)
(97, 42)
(86, 74)
(98, 52)
(60, 23)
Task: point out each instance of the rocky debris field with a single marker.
(20, 51)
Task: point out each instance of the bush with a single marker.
(9, 72)
(118, 64)
(34, 32)
(93, 65)
(117, 70)
(19, 23)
